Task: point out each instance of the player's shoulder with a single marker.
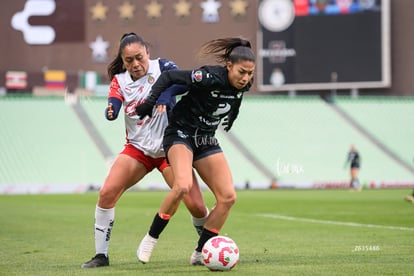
(216, 69)
(166, 64)
(122, 79)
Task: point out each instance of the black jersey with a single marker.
(210, 98)
(353, 158)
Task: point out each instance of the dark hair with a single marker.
(231, 49)
(117, 65)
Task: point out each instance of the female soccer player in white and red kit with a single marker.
(133, 73)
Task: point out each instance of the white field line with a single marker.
(353, 224)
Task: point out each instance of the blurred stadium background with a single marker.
(343, 86)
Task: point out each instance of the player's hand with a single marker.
(161, 108)
(144, 109)
(109, 112)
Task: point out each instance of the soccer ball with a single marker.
(220, 253)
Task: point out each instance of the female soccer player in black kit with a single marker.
(214, 94)
(354, 161)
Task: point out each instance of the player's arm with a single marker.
(167, 100)
(112, 110)
(231, 117)
(165, 80)
(168, 96)
(115, 100)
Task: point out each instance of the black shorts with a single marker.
(202, 145)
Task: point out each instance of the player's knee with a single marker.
(103, 194)
(201, 207)
(227, 200)
(181, 190)
(106, 199)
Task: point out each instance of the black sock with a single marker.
(205, 236)
(157, 226)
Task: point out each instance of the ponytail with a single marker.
(231, 49)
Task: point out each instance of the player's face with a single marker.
(136, 60)
(240, 73)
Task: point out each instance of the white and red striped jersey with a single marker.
(146, 134)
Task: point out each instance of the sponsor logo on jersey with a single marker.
(215, 93)
(181, 134)
(208, 122)
(222, 108)
(130, 109)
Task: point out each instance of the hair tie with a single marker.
(245, 43)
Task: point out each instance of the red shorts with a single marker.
(149, 162)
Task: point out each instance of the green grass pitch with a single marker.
(279, 232)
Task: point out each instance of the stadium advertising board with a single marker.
(323, 44)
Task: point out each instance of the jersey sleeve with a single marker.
(115, 90)
(115, 98)
(205, 77)
(167, 97)
(116, 107)
(165, 80)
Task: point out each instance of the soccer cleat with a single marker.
(97, 261)
(145, 248)
(196, 258)
(409, 198)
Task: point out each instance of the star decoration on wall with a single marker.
(153, 9)
(126, 10)
(182, 8)
(99, 11)
(238, 7)
(99, 49)
(210, 11)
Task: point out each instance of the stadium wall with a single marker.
(78, 25)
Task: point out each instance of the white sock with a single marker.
(199, 222)
(104, 221)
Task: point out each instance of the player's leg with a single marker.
(410, 198)
(124, 173)
(215, 172)
(180, 158)
(199, 211)
(355, 184)
(194, 200)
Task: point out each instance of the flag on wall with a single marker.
(16, 80)
(55, 79)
